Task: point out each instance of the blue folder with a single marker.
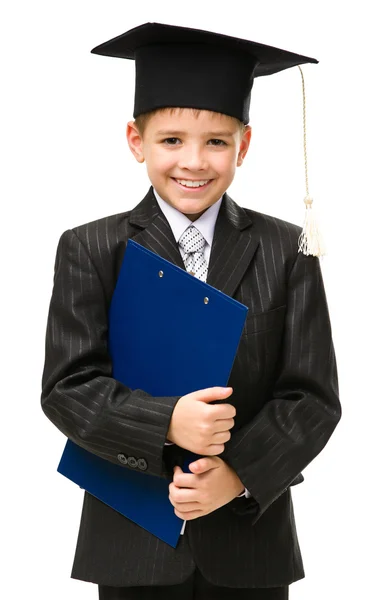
(169, 334)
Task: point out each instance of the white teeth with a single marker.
(188, 183)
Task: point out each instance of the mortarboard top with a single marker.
(192, 68)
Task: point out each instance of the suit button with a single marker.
(142, 464)
(122, 459)
(132, 462)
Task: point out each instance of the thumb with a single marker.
(203, 464)
(213, 393)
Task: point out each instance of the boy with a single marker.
(191, 128)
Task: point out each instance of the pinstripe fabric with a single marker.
(285, 392)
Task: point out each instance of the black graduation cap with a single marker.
(192, 68)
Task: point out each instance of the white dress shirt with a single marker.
(206, 225)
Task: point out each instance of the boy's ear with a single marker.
(135, 141)
(244, 146)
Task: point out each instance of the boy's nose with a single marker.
(192, 160)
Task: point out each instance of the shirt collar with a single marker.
(179, 222)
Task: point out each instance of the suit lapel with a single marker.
(233, 248)
(157, 234)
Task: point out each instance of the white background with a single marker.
(65, 161)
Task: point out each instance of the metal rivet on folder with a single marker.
(206, 300)
(161, 273)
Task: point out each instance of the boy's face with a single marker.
(183, 150)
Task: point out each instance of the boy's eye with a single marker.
(171, 141)
(217, 142)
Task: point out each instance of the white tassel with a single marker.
(311, 240)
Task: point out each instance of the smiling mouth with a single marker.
(192, 184)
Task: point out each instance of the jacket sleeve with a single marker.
(296, 422)
(79, 394)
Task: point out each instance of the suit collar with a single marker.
(148, 209)
(234, 242)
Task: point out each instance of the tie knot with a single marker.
(192, 240)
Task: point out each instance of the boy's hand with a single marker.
(212, 484)
(199, 426)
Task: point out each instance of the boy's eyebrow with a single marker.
(211, 133)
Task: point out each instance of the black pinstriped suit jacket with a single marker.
(285, 393)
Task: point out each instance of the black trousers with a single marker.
(194, 588)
